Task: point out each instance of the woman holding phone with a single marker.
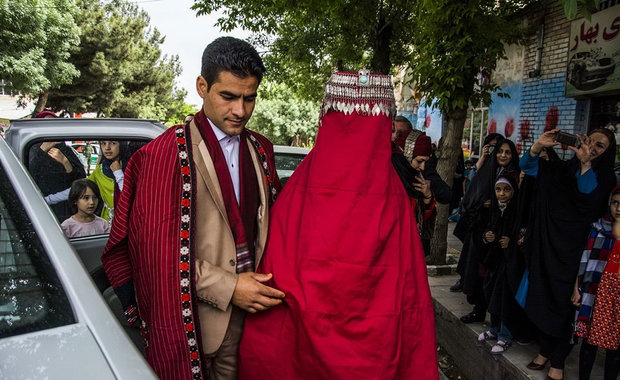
(569, 195)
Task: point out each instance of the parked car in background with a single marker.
(54, 323)
(90, 150)
(288, 159)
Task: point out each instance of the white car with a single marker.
(54, 323)
(288, 159)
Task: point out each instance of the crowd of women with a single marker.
(540, 234)
(541, 251)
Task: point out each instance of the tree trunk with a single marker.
(448, 158)
(380, 62)
(41, 102)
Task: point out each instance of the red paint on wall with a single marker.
(492, 126)
(509, 128)
(524, 130)
(551, 120)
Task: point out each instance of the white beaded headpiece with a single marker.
(363, 93)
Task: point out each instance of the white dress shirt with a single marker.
(230, 148)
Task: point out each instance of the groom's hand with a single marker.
(252, 296)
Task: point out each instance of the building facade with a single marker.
(566, 76)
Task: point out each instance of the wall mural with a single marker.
(429, 120)
(504, 112)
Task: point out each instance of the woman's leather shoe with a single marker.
(537, 367)
(473, 317)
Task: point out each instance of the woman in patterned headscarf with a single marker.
(410, 167)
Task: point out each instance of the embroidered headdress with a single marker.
(417, 143)
(363, 93)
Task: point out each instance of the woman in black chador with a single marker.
(568, 196)
(503, 159)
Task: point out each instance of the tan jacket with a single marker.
(216, 255)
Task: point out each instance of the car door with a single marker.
(23, 136)
(53, 321)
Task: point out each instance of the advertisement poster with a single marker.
(594, 54)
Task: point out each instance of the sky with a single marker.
(186, 35)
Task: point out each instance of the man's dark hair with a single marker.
(403, 119)
(78, 188)
(231, 54)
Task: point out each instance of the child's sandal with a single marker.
(487, 335)
(500, 347)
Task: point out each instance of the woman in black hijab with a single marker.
(466, 219)
(568, 196)
(503, 159)
(54, 166)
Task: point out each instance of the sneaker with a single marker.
(457, 287)
(487, 335)
(500, 347)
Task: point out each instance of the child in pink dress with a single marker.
(84, 197)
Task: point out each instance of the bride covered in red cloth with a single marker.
(343, 246)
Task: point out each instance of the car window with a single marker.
(286, 163)
(31, 295)
(56, 166)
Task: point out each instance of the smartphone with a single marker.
(566, 138)
(417, 193)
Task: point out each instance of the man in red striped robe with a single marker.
(191, 224)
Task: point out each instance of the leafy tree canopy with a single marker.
(306, 41)
(180, 109)
(35, 40)
(457, 45)
(587, 7)
(123, 72)
(284, 118)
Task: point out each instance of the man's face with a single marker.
(398, 127)
(229, 102)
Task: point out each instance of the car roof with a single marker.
(21, 133)
(290, 149)
(66, 124)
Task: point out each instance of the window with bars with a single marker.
(604, 4)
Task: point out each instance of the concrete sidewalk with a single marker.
(473, 358)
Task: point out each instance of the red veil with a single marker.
(343, 246)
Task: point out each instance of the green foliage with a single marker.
(306, 41)
(123, 72)
(35, 40)
(572, 6)
(282, 117)
(181, 110)
(457, 47)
